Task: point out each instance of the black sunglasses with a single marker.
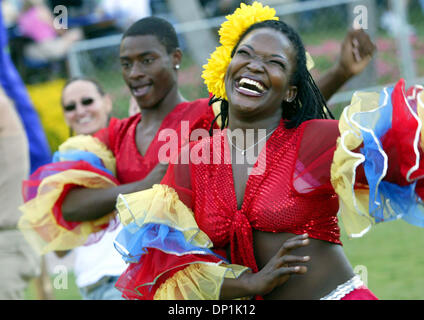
(72, 106)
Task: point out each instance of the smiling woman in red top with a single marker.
(68, 201)
(221, 229)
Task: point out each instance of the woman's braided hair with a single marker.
(309, 102)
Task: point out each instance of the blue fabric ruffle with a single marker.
(132, 245)
(387, 201)
(78, 155)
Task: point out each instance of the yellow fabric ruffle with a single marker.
(160, 205)
(354, 203)
(38, 223)
(198, 281)
(93, 145)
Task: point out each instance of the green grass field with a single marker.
(392, 255)
(69, 293)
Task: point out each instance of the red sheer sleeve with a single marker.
(315, 155)
(178, 176)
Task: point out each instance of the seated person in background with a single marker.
(37, 23)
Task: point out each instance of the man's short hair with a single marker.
(158, 27)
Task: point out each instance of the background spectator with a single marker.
(37, 23)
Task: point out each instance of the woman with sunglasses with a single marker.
(86, 106)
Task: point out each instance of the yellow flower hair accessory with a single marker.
(230, 33)
(242, 18)
(214, 71)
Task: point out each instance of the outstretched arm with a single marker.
(356, 53)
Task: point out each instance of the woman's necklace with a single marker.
(243, 151)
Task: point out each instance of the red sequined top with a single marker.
(293, 194)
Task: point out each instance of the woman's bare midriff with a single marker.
(328, 266)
